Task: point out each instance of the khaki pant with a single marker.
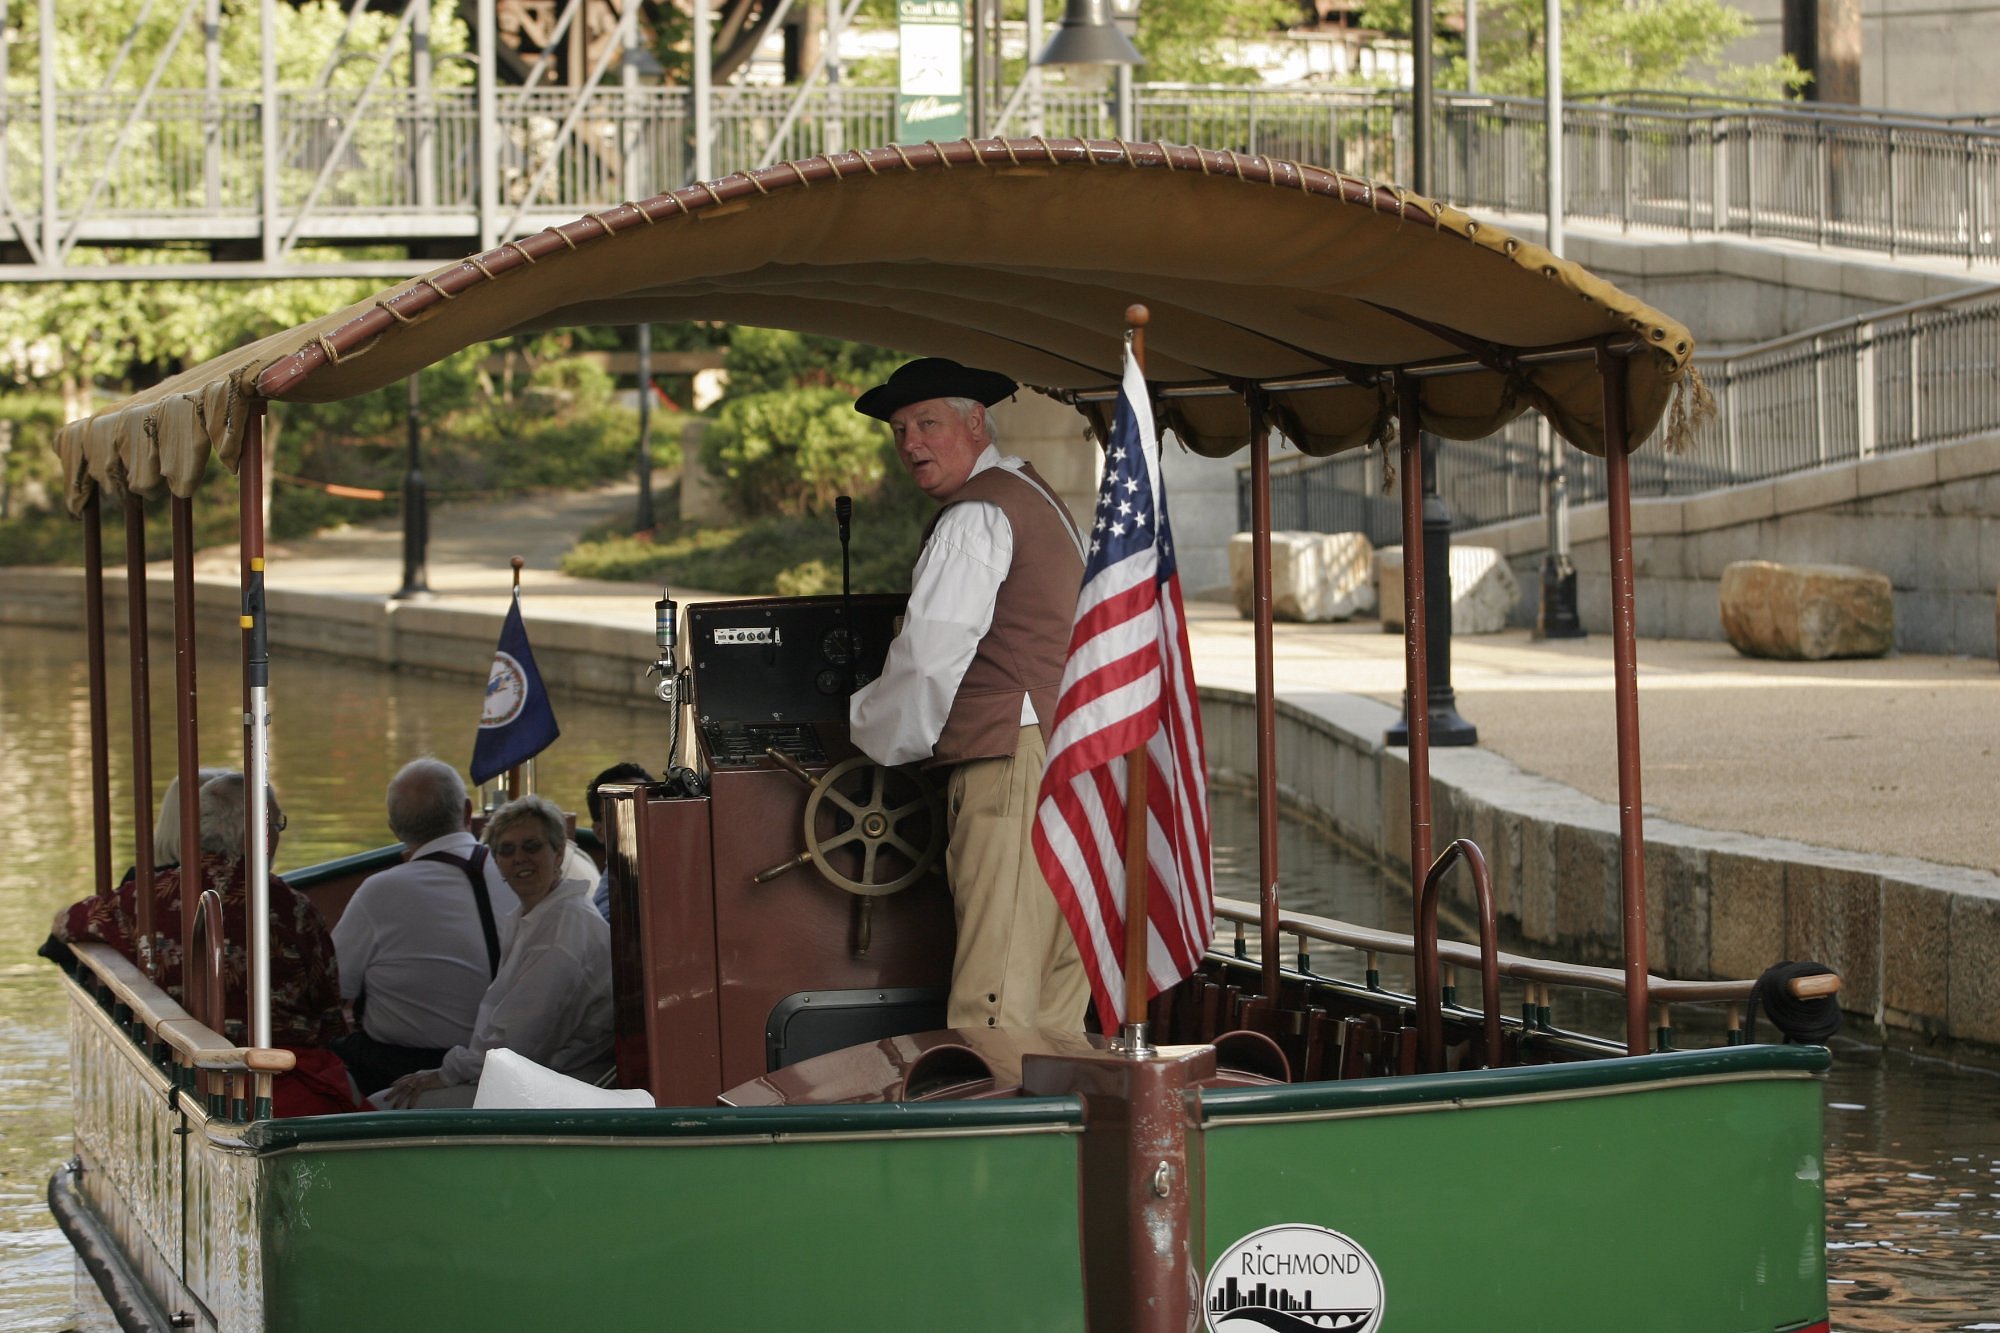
(1017, 964)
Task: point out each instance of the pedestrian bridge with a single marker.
(387, 181)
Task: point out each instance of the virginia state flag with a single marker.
(517, 723)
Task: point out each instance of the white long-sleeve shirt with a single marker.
(410, 937)
(551, 1002)
(897, 717)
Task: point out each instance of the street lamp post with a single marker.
(1447, 727)
(645, 521)
(416, 516)
(1556, 612)
(1094, 33)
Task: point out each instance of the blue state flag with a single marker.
(517, 723)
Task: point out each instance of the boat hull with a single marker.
(1677, 1192)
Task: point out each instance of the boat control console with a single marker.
(797, 905)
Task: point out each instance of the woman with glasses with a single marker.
(551, 1000)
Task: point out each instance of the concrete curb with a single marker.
(1917, 943)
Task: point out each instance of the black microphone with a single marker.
(843, 513)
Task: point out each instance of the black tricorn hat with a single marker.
(933, 377)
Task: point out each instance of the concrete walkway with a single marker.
(1897, 757)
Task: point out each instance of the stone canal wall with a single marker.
(1918, 944)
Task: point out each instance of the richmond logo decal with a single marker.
(1294, 1278)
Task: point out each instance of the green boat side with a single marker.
(478, 1226)
(1680, 1192)
(656, 1217)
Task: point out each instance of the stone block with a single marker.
(1677, 893)
(1975, 969)
(1947, 559)
(1711, 552)
(1916, 950)
(1923, 621)
(1903, 470)
(1484, 591)
(1395, 821)
(1315, 576)
(1975, 625)
(1806, 612)
(1746, 897)
(1817, 489)
(1587, 897)
(1834, 916)
(1589, 523)
(1732, 508)
(1969, 458)
(1651, 517)
(1537, 882)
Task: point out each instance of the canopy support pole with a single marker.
(142, 732)
(1267, 690)
(1133, 1040)
(1631, 813)
(1416, 655)
(100, 708)
(188, 740)
(256, 727)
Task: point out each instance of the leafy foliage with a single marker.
(784, 442)
(787, 438)
(1179, 38)
(795, 556)
(1608, 45)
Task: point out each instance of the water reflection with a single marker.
(1913, 1149)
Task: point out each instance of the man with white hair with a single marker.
(420, 942)
(970, 684)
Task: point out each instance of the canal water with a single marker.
(1913, 1148)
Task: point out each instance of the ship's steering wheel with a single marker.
(892, 816)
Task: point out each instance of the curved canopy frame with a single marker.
(1018, 255)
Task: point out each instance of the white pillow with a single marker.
(512, 1082)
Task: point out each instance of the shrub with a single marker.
(793, 451)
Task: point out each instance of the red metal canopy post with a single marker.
(100, 724)
(142, 732)
(1624, 635)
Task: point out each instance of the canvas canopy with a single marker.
(1017, 255)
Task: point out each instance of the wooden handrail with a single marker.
(193, 1042)
(1579, 975)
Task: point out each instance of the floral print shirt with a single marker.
(305, 977)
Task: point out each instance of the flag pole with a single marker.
(517, 782)
(1133, 1037)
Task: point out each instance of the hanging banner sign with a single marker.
(930, 90)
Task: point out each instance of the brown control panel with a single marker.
(780, 914)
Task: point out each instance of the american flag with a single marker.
(1128, 682)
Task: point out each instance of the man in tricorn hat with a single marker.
(971, 682)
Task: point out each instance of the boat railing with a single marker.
(1538, 976)
(1430, 996)
(230, 1080)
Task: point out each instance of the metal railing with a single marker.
(1893, 380)
(189, 164)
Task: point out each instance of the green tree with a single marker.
(1608, 45)
(1185, 41)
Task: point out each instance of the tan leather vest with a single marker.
(1024, 649)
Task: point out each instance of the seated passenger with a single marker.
(420, 942)
(167, 828)
(594, 804)
(305, 983)
(551, 1002)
